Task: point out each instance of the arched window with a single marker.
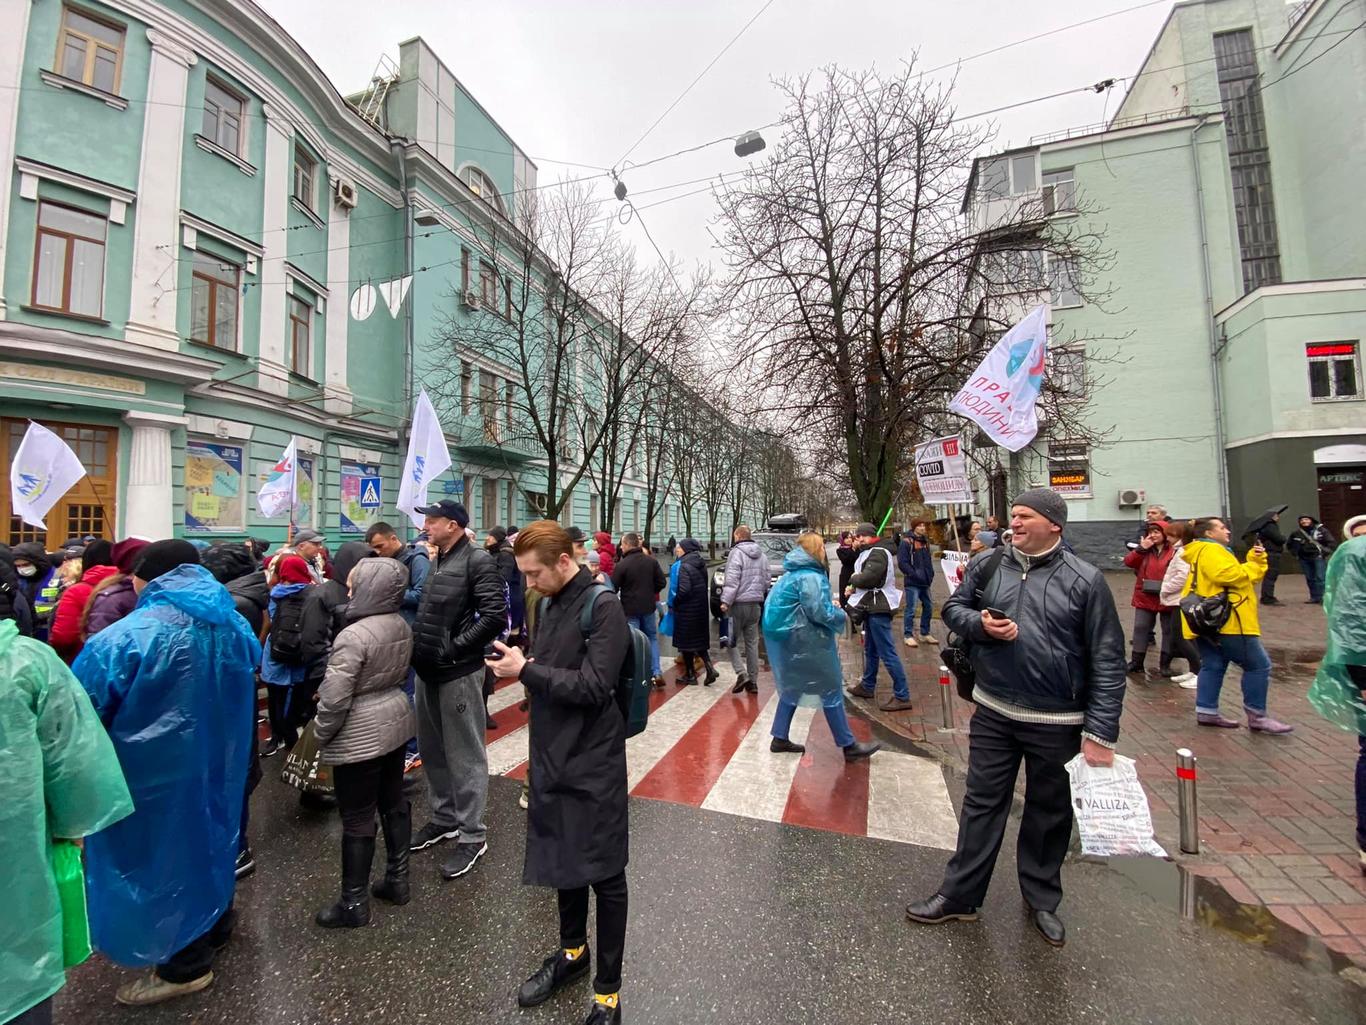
(482, 186)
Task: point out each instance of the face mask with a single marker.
(27, 571)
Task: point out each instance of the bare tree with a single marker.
(863, 290)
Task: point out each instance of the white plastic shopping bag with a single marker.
(1111, 809)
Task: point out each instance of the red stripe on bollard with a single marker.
(1185, 773)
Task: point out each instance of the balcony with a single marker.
(490, 439)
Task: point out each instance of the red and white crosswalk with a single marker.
(708, 748)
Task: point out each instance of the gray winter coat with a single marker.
(362, 710)
(747, 575)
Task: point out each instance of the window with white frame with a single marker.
(1060, 192)
(1004, 176)
(90, 49)
(68, 264)
(213, 301)
(300, 335)
(223, 111)
(482, 186)
(305, 172)
(1334, 371)
(1067, 370)
(1063, 287)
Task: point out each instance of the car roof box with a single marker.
(787, 522)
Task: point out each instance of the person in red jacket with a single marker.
(607, 552)
(97, 562)
(1149, 563)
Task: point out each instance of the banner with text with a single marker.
(1001, 392)
(953, 565)
(942, 471)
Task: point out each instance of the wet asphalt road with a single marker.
(732, 920)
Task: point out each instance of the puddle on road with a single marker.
(1201, 899)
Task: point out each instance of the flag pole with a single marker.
(293, 489)
(113, 527)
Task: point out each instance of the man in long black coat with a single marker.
(577, 833)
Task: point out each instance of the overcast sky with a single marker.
(580, 80)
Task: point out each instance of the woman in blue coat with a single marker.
(691, 611)
(801, 626)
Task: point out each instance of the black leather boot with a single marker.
(353, 909)
(398, 832)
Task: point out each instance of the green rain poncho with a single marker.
(62, 779)
(1333, 692)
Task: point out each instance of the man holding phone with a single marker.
(1048, 652)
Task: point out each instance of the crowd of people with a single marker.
(131, 672)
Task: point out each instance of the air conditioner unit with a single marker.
(345, 193)
(1132, 496)
(470, 300)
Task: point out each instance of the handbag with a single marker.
(304, 770)
(1206, 616)
(1152, 586)
(958, 650)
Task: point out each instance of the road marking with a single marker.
(908, 801)
(510, 751)
(668, 725)
(506, 697)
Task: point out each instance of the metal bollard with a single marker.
(1187, 807)
(946, 697)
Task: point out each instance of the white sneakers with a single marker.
(910, 642)
(1186, 681)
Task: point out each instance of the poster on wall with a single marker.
(361, 488)
(304, 498)
(215, 500)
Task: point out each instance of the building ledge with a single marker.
(1289, 288)
(113, 355)
(209, 146)
(62, 82)
(302, 207)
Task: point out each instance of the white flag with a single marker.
(278, 493)
(44, 470)
(428, 458)
(1001, 392)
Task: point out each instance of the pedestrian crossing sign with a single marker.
(369, 493)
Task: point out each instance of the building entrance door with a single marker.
(88, 508)
(1342, 495)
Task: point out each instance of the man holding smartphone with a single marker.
(1048, 652)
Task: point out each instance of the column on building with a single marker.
(273, 374)
(156, 225)
(147, 503)
(13, 34)
(336, 392)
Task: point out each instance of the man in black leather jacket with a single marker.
(1049, 683)
(464, 607)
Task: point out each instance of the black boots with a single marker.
(398, 831)
(353, 909)
(556, 972)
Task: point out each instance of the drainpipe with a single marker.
(397, 147)
(1216, 382)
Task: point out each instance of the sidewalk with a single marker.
(1277, 814)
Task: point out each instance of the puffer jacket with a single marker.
(607, 552)
(1214, 570)
(464, 607)
(65, 632)
(362, 710)
(252, 597)
(111, 600)
(747, 574)
(1150, 564)
(1174, 579)
(913, 559)
(1069, 655)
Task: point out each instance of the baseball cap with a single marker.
(308, 534)
(575, 534)
(448, 508)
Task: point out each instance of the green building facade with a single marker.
(1218, 351)
(205, 249)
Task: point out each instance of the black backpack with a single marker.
(1205, 616)
(287, 630)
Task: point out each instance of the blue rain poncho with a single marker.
(62, 780)
(801, 626)
(1333, 692)
(173, 684)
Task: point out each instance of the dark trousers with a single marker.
(611, 927)
(363, 788)
(38, 1014)
(1180, 647)
(1361, 794)
(996, 746)
(288, 708)
(1273, 570)
(195, 959)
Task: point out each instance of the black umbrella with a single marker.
(1258, 522)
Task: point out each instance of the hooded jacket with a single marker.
(606, 550)
(251, 597)
(691, 625)
(801, 627)
(913, 559)
(14, 605)
(1069, 655)
(1150, 564)
(62, 779)
(1339, 687)
(362, 710)
(111, 600)
(1312, 542)
(65, 633)
(747, 574)
(172, 683)
(43, 589)
(1215, 569)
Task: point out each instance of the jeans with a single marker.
(835, 716)
(451, 735)
(1241, 649)
(363, 788)
(914, 593)
(648, 625)
(611, 927)
(1315, 570)
(744, 618)
(878, 646)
